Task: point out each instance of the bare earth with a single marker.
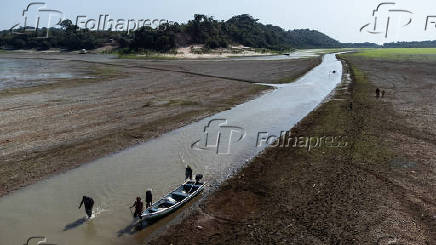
(380, 189)
(59, 125)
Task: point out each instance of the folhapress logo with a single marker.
(382, 16)
(219, 137)
(388, 17)
(36, 16)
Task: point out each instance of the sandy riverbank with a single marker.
(190, 53)
(62, 123)
(377, 190)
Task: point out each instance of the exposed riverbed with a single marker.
(49, 207)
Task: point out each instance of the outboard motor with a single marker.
(198, 177)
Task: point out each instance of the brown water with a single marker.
(18, 73)
(49, 208)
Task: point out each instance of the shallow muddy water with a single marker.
(214, 146)
(18, 73)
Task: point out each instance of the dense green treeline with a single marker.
(66, 37)
(242, 29)
(239, 30)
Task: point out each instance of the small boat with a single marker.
(173, 200)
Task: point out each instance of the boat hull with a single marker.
(150, 215)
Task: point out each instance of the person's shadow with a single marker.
(133, 227)
(75, 224)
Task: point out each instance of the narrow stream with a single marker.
(50, 207)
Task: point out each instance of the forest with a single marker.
(238, 30)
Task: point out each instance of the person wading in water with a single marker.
(89, 203)
(188, 172)
(139, 207)
(148, 198)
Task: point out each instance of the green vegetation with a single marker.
(242, 29)
(183, 102)
(67, 37)
(287, 79)
(361, 125)
(423, 44)
(368, 117)
(239, 30)
(335, 50)
(405, 54)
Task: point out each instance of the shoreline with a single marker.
(213, 55)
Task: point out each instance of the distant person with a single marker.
(188, 172)
(383, 94)
(139, 208)
(148, 198)
(89, 203)
(350, 106)
(377, 93)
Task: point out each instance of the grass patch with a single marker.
(333, 50)
(287, 79)
(369, 146)
(399, 54)
(183, 102)
(362, 127)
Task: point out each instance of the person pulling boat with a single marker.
(198, 177)
(173, 200)
(188, 172)
(139, 207)
(148, 198)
